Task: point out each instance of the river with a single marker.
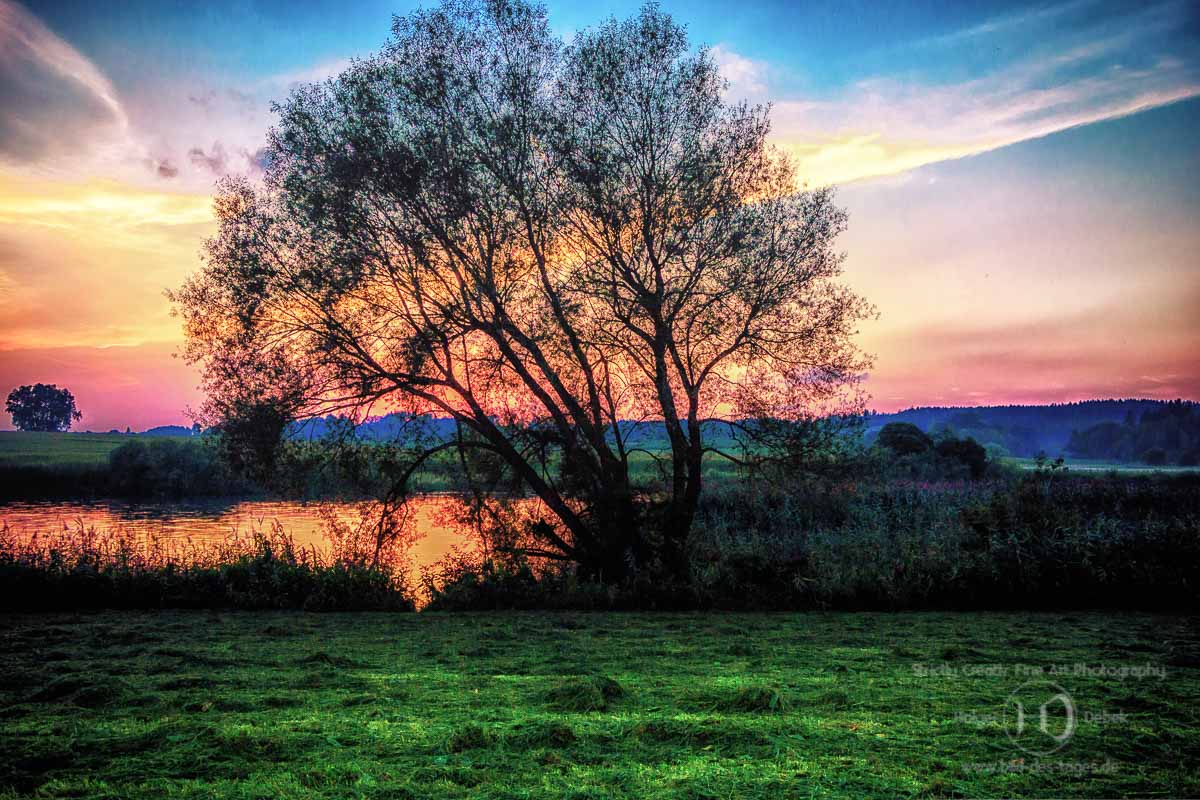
(202, 521)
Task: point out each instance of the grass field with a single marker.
(61, 449)
(92, 449)
(74, 450)
(1091, 465)
(589, 706)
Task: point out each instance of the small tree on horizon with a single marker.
(542, 242)
(42, 407)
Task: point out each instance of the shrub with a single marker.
(904, 438)
(171, 468)
(1039, 540)
(967, 452)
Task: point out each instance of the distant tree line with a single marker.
(1169, 434)
(1018, 430)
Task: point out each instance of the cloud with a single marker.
(162, 167)
(1104, 68)
(218, 161)
(86, 263)
(214, 161)
(53, 101)
(1139, 347)
(292, 78)
(999, 24)
(204, 99)
(747, 77)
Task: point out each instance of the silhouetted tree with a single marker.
(538, 241)
(42, 407)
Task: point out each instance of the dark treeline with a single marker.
(1023, 430)
(1017, 430)
(164, 469)
(334, 457)
(1168, 434)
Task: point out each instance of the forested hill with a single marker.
(1021, 430)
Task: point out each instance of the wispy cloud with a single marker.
(1005, 22)
(313, 74)
(54, 103)
(887, 125)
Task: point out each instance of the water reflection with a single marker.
(200, 521)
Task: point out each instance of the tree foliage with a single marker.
(42, 407)
(1167, 434)
(904, 438)
(539, 241)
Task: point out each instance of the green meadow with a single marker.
(18, 448)
(66, 453)
(557, 705)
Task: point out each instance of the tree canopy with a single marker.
(42, 407)
(541, 241)
(904, 438)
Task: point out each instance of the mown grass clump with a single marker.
(830, 707)
(584, 694)
(756, 699)
(470, 737)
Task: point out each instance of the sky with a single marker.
(1023, 179)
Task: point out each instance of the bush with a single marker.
(904, 438)
(463, 583)
(967, 452)
(171, 468)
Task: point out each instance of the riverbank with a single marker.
(537, 705)
(1043, 540)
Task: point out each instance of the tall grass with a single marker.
(1037, 540)
(1034, 540)
(85, 568)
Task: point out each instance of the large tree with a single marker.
(42, 407)
(542, 242)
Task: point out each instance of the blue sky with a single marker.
(1021, 177)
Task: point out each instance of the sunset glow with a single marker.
(1021, 181)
